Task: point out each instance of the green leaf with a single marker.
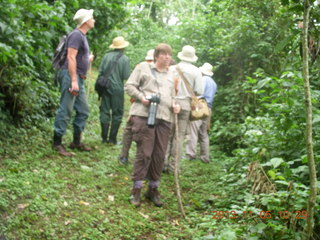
(272, 174)
(2, 26)
(316, 119)
(282, 182)
(276, 162)
(260, 227)
(279, 47)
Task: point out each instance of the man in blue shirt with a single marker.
(199, 128)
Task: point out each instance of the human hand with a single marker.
(91, 57)
(145, 101)
(74, 90)
(176, 108)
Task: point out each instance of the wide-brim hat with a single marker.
(149, 56)
(119, 43)
(82, 16)
(206, 69)
(188, 54)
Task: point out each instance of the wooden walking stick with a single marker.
(176, 173)
(89, 78)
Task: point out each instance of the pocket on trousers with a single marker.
(136, 129)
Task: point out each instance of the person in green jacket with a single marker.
(112, 102)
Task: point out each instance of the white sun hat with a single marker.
(119, 43)
(206, 69)
(188, 54)
(82, 16)
(150, 54)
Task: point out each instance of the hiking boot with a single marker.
(188, 157)
(205, 160)
(62, 150)
(123, 160)
(154, 196)
(80, 147)
(135, 197)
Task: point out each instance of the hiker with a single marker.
(199, 128)
(71, 78)
(117, 66)
(127, 133)
(192, 74)
(151, 134)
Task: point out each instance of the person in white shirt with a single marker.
(199, 128)
(193, 75)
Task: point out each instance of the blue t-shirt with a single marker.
(78, 40)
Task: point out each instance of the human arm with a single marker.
(72, 68)
(198, 84)
(132, 86)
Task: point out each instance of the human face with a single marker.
(90, 23)
(163, 60)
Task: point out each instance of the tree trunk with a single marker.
(312, 169)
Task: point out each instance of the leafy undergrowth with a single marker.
(45, 196)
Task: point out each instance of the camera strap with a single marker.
(153, 72)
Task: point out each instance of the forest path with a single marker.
(46, 196)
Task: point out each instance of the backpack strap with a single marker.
(114, 64)
(185, 81)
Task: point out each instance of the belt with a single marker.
(82, 76)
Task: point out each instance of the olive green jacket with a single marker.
(120, 72)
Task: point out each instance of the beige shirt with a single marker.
(144, 82)
(194, 77)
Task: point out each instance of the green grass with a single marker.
(46, 196)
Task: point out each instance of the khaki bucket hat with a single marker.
(82, 16)
(150, 54)
(188, 54)
(119, 43)
(206, 69)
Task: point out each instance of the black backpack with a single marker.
(60, 53)
(102, 82)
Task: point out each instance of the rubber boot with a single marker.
(104, 132)
(154, 196)
(114, 132)
(76, 144)
(57, 139)
(135, 197)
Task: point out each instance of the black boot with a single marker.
(57, 139)
(104, 132)
(154, 196)
(114, 132)
(57, 145)
(135, 197)
(76, 144)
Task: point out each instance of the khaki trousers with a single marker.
(183, 121)
(126, 140)
(198, 133)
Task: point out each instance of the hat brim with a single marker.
(206, 72)
(187, 59)
(124, 45)
(87, 18)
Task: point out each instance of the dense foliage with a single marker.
(259, 113)
(30, 31)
